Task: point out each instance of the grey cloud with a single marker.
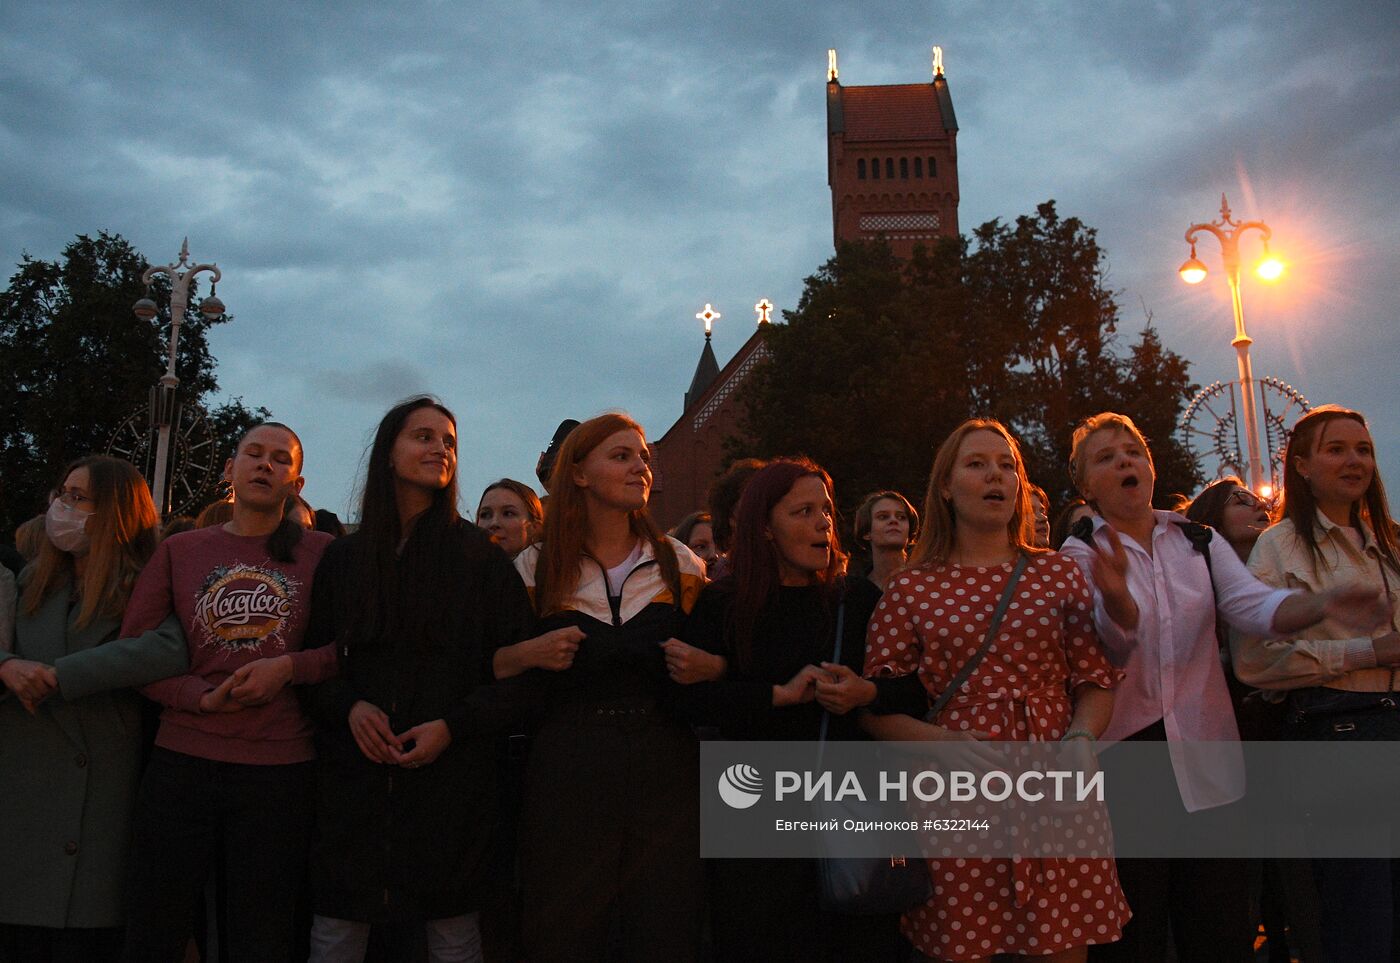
(380, 381)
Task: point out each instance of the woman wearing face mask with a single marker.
(610, 830)
(773, 619)
(1155, 604)
(231, 770)
(1044, 680)
(416, 602)
(511, 513)
(1335, 529)
(70, 726)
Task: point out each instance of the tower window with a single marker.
(875, 168)
(904, 168)
(932, 167)
(889, 167)
(918, 167)
(860, 169)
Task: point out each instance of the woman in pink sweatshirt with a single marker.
(232, 769)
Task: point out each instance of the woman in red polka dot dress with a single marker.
(1043, 680)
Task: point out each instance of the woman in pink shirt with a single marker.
(231, 772)
(1155, 604)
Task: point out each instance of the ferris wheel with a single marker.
(1211, 427)
(194, 453)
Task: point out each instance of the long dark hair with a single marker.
(1299, 505)
(284, 538)
(380, 532)
(753, 557)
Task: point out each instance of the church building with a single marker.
(892, 165)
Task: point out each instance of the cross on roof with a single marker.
(708, 316)
(763, 307)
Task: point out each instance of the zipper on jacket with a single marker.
(615, 602)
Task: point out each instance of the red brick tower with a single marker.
(892, 160)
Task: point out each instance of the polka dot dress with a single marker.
(930, 622)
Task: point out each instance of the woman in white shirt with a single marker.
(1155, 603)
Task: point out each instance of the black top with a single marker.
(411, 843)
(797, 628)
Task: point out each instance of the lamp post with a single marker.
(163, 406)
(1228, 231)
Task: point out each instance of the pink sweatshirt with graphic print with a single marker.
(237, 605)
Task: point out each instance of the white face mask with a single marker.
(66, 527)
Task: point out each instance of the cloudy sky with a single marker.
(521, 206)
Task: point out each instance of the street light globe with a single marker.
(1192, 271)
(1270, 269)
(145, 309)
(212, 307)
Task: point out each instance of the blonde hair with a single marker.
(1103, 421)
(122, 532)
(935, 546)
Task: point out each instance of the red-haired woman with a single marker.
(610, 830)
(773, 619)
(1045, 680)
(1335, 530)
(71, 763)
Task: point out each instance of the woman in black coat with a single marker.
(417, 602)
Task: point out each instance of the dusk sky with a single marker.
(521, 206)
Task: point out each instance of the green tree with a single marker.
(883, 358)
(78, 362)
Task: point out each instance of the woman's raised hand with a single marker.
(1110, 570)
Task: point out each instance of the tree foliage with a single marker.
(78, 362)
(883, 358)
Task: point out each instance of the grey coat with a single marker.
(68, 776)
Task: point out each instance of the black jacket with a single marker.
(395, 843)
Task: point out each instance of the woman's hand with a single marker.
(257, 683)
(842, 690)
(1357, 607)
(799, 689)
(429, 740)
(370, 727)
(220, 698)
(687, 665)
(1110, 571)
(31, 682)
(554, 651)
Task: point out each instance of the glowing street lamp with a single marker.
(163, 405)
(1227, 231)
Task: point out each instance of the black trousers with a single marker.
(42, 944)
(1202, 905)
(186, 807)
(610, 840)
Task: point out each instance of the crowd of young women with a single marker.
(333, 713)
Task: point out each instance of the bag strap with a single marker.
(835, 657)
(1197, 534)
(970, 666)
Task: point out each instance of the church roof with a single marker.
(705, 374)
(897, 112)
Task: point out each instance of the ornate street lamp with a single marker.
(163, 402)
(1227, 231)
